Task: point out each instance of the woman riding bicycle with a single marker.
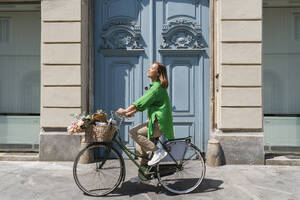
(160, 122)
(99, 168)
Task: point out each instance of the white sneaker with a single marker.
(138, 180)
(135, 180)
(159, 154)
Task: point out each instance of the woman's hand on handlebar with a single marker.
(129, 114)
(121, 111)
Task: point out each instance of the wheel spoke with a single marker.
(108, 168)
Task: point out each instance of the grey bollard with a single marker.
(214, 153)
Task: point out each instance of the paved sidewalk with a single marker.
(54, 180)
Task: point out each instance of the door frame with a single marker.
(87, 72)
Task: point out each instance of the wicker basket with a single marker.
(96, 133)
(99, 133)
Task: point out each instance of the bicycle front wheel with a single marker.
(187, 176)
(98, 169)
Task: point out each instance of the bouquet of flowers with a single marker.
(83, 121)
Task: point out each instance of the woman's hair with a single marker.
(162, 75)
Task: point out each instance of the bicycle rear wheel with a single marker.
(185, 178)
(98, 169)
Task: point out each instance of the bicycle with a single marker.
(180, 172)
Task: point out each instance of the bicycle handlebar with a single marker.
(121, 117)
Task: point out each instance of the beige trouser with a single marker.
(139, 135)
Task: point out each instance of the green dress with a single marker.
(157, 103)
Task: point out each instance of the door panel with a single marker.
(181, 92)
(120, 76)
(130, 35)
(119, 58)
(184, 93)
(180, 8)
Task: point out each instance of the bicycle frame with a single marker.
(119, 142)
(131, 155)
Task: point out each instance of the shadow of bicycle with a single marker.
(131, 189)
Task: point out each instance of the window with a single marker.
(281, 82)
(4, 30)
(19, 76)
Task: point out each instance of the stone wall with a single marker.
(62, 80)
(239, 85)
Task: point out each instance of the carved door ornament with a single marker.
(121, 31)
(122, 37)
(181, 34)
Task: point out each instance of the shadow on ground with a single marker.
(131, 189)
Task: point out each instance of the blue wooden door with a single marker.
(130, 35)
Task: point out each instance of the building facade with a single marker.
(231, 64)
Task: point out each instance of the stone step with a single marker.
(19, 156)
(291, 160)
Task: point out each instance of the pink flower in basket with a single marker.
(79, 124)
